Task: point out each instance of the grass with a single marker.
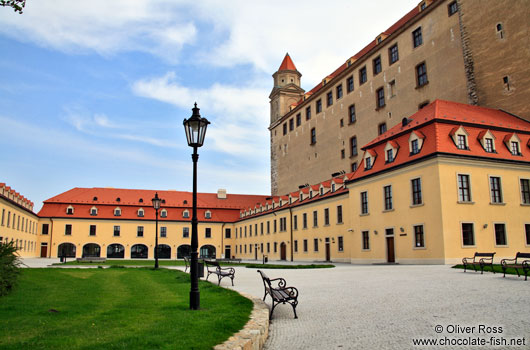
(116, 309)
(273, 266)
(496, 268)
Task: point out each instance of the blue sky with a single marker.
(93, 93)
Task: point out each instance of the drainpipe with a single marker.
(291, 226)
(51, 239)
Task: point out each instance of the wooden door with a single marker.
(283, 251)
(228, 252)
(43, 250)
(328, 252)
(390, 250)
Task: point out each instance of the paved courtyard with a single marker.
(391, 306)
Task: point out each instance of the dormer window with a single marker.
(95, 199)
(414, 147)
(311, 194)
(117, 212)
(462, 142)
(163, 213)
(488, 145)
(186, 214)
(368, 163)
(141, 200)
(512, 142)
(93, 211)
(140, 213)
(301, 197)
(390, 155)
(515, 148)
(70, 210)
(118, 199)
(369, 159)
(208, 214)
(332, 187)
(460, 136)
(280, 202)
(391, 150)
(487, 140)
(321, 191)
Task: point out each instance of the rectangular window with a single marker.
(140, 231)
(414, 146)
(274, 226)
(329, 98)
(353, 146)
(452, 8)
(116, 231)
(305, 245)
(299, 119)
(261, 228)
(488, 145)
(250, 230)
(340, 243)
(228, 232)
(421, 74)
(313, 136)
(315, 244)
(315, 218)
(207, 232)
(342, 154)
(349, 84)
(339, 214)
(351, 113)
(388, 197)
(500, 234)
(295, 246)
(3, 216)
(419, 239)
(366, 240)
(163, 231)
(268, 247)
(416, 192)
(364, 202)
(527, 231)
(68, 230)
(496, 191)
(319, 105)
(417, 38)
(515, 148)
(295, 222)
(468, 235)
(339, 91)
(268, 227)
(291, 124)
(392, 88)
(362, 75)
(326, 216)
(376, 64)
(308, 113)
(304, 220)
(275, 247)
(525, 191)
(245, 231)
(185, 232)
(464, 188)
(393, 54)
(285, 128)
(380, 97)
(389, 155)
(368, 163)
(92, 230)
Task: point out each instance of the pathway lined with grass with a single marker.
(116, 308)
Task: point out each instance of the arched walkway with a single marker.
(116, 251)
(164, 251)
(66, 250)
(183, 250)
(207, 252)
(91, 250)
(139, 251)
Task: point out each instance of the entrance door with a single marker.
(255, 252)
(228, 253)
(283, 251)
(43, 250)
(390, 255)
(328, 250)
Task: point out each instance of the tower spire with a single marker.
(287, 63)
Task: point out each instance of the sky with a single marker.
(94, 93)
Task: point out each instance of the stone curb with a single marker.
(255, 332)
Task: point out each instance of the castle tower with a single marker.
(286, 90)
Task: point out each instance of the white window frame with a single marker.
(521, 190)
(462, 235)
(500, 189)
(414, 237)
(458, 189)
(412, 204)
(505, 234)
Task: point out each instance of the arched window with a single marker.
(163, 213)
(140, 213)
(91, 250)
(139, 251)
(93, 211)
(208, 214)
(115, 251)
(66, 250)
(186, 214)
(117, 211)
(164, 251)
(70, 210)
(207, 252)
(183, 250)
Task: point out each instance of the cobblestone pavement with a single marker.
(387, 306)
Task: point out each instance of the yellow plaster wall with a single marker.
(23, 232)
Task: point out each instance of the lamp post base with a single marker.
(195, 301)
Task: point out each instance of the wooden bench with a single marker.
(221, 272)
(521, 261)
(280, 293)
(91, 260)
(481, 260)
(229, 260)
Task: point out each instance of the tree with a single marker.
(17, 5)
(9, 267)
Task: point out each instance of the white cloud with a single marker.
(238, 113)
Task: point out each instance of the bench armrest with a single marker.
(504, 261)
(490, 260)
(281, 282)
(465, 260)
(526, 264)
(229, 269)
(292, 291)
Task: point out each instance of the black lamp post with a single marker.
(156, 205)
(195, 128)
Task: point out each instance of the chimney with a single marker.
(221, 193)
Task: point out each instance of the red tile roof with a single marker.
(287, 64)
(437, 121)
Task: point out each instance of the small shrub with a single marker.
(9, 267)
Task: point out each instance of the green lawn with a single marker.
(116, 309)
(496, 267)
